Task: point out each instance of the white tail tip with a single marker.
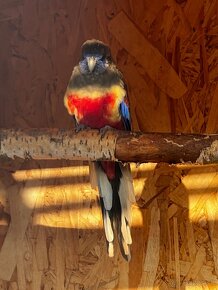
(110, 250)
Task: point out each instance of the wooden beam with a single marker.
(110, 145)
(148, 56)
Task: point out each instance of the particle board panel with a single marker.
(51, 233)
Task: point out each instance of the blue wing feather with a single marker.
(124, 111)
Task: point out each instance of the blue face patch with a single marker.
(83, 64)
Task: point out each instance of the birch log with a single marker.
(110, 145)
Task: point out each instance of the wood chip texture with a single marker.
(51, 233)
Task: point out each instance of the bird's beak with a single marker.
(91, 63)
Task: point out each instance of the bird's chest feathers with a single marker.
(96, 107)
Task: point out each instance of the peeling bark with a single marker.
(109, 145)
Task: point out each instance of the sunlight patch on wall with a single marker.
(201, 188)
(60, 204)
(80, 218)
(48, 173)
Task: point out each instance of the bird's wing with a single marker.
(125, 115)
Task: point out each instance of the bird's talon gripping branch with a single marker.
(104, 130)
(81, 127)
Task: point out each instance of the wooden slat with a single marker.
(17, 228)
(147, 55)
(212, 123)
(176, 250)
(212, 213)
(152, 252)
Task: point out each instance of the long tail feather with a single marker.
(116, 196)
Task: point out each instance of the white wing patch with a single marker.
(126, 192)
(105, 191)
(108, 227)
(104, 186)
(127, 197)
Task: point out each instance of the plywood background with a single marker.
(51, 233)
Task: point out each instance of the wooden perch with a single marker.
(110, 145)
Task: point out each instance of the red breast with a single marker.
(94, 112)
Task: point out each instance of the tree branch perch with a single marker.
(112, 145)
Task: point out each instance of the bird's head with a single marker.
(96, 57)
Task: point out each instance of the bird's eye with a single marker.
(99, 57)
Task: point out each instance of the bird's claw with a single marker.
(81, 127)
(104, 130)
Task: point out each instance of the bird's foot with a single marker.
(81, 127)
(104, 130)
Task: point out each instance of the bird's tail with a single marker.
(116, 197)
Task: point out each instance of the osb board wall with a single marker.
(51, 233)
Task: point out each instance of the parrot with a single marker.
(96, 96)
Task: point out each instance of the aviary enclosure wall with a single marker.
(51, 234)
